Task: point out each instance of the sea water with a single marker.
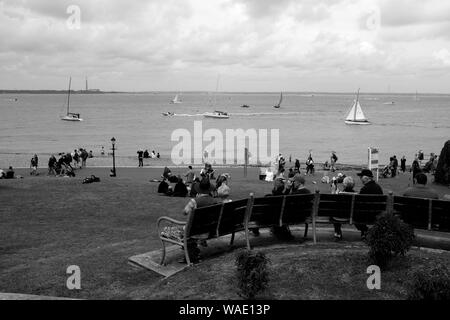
(30, 123)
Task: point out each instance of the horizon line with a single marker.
(8, 91)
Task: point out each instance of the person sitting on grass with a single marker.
(420, 189)
(10, 173)
(180, 189)
(190, 176)
(163, 187)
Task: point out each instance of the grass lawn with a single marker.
(48, 224)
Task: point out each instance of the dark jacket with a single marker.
(371, 188)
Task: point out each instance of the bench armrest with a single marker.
(171, 220)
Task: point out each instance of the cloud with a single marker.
(442, 56)
(242, 39)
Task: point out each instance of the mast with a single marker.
(68, 95)
(356, 104)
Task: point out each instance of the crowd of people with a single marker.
(393, 169)
(189, 183)
(278, 171)
(144, 154)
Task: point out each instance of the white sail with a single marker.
(176, 99)
(356, 115)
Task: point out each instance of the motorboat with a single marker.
(216, 114)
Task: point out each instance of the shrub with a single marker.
(389, 237)
(430, 284)
(252, 274)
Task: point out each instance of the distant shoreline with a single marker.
(309, 94)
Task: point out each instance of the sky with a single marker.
(226, 45)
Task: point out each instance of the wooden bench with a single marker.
(203, 224)
(272, 211)
(427, 214)
(228, 218)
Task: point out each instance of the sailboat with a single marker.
(279, 103)
(175, 100)
(356, 115)
(70, 116)
(217, 114)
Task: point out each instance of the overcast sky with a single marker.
(254, 45)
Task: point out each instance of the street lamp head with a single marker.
(113, 140)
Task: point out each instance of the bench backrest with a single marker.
(203, 220)
(414, 211)
(440, 218)
(232, 217)
(336, 205)
(297, 208)
(367, 207)
(265, 211)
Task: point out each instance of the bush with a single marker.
(430, 284)
(389, 237)
(252, 274)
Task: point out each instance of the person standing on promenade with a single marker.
(420, 190)
(83, 155)
(76, 158)
(140, 154)
(333, 160)
(403, 164)
(415, 168)
(297, 166)
(310, 165)
(370, 187)
(34, 165)
(395, 165)
(51, 165)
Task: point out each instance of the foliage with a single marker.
(389, 237)
(442, 174)
(252, 273)
(430, 284)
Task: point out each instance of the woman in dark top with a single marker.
(348, 184)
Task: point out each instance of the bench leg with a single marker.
(306, 230)
(186, 254)
(163, 258)
(232, 239)
(247, 237)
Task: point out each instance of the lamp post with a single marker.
(113, 170)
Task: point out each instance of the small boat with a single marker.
(356, 115)
(70, 116)
(175, 100)
(245, 106)
(279, 102)
(389, 103)
(216, 114)
(168, 113)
